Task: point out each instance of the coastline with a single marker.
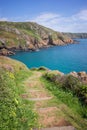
(4, 51)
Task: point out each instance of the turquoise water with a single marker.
(63, 58)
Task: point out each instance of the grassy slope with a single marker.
(17, 113)
(30, 29)
(76, 35)
(69, 105)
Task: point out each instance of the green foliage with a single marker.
(64, 96)
(15, 113)
(53, 76)
(76, 111)
(76, 87)
(71, 85)
(20, 32)
(31, 33)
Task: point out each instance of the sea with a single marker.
(68, 58)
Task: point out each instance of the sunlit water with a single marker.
(63, 58)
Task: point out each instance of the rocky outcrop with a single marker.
(76, 35)
(59, 76)
(6, 52)
(80, 75)
(29, 36)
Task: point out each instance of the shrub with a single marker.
(76, 87)
(71, 83)
(53, 76)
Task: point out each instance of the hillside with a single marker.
(28, 36)
(40, 98)
(76, 35)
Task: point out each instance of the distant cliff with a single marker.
(28, 36)
(76, 35)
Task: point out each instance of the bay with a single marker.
(72, 57)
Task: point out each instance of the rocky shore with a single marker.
(7, 51)
(28, 36)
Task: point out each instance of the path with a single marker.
(50, 115)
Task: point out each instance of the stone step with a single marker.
(58, 128)
(39, 99)
(47, 108)
(38, 94)
(34, 90)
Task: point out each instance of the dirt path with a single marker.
(50, 115)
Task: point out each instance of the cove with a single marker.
(72, 57)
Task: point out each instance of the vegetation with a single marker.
(29, 35)
(71, 86)
(74, 111)
(76, 35)
(15, 112)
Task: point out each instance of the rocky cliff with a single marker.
(28, 36)
(76, 35)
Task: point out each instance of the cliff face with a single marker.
(76, 35)
(28, 36)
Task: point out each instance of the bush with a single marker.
(74, 85)
(53, 76)
(71, 83)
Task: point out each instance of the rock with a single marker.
(6, 52)
(74, 74)
(29, 36)
(82, 76)
(3, 41)
(8, 67)
(58, 73)
(43, 68)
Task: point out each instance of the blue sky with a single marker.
(60, 15)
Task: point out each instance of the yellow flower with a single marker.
(16, 101)
(13, 114)
(11, 75)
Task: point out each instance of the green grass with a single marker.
(15, 112)
(31, 33)
(74, 111)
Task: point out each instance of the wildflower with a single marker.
(16, 101)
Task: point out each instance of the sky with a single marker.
(60, 15)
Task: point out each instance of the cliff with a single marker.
(28, 36)
(76, 35)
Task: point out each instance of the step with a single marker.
(34, 90)
(46, 108)
(59, 128)
(39, 99)
(38, 94)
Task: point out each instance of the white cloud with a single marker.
(46, 17)
(75, 23)
(82, 15)
(3, 19)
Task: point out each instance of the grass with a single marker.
(31, 33)
(72, 108)
(15, 112)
